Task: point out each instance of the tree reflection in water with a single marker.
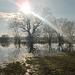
(5, 44)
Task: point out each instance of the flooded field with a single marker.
(42, 61)
(13, 51)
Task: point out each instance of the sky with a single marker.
(59, 9)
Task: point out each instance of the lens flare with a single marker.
(45, 21)
(24, 6)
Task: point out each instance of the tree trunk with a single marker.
(59, 44)
(19, 42)
(30, 44)
(31, 47)
(70, 47)
(49, 41)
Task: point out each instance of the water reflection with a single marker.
(5, 44)
(11, 51)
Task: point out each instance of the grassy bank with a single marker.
(56, 64)
(51, 64)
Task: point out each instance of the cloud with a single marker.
(6, 16)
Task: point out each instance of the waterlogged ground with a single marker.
(17, 61)
(12, 51)
(36, 64)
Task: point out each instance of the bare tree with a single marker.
(59, 24)
(27, 24)
(30, 24)
(17, 32)
(66, 28)
(69, 29)
(48, 34)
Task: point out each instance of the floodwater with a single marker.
(12, 52)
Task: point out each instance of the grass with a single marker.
(13, 69)
(61, 64)
(56, 64)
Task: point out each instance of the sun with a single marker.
(25, 8)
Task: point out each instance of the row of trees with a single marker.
(4, 39)
(32, 26)
(66, 32)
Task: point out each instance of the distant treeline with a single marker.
(6, 39)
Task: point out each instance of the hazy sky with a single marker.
(59, 8)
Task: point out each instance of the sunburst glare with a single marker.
(25, 8)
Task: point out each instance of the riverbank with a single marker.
(48, 64)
